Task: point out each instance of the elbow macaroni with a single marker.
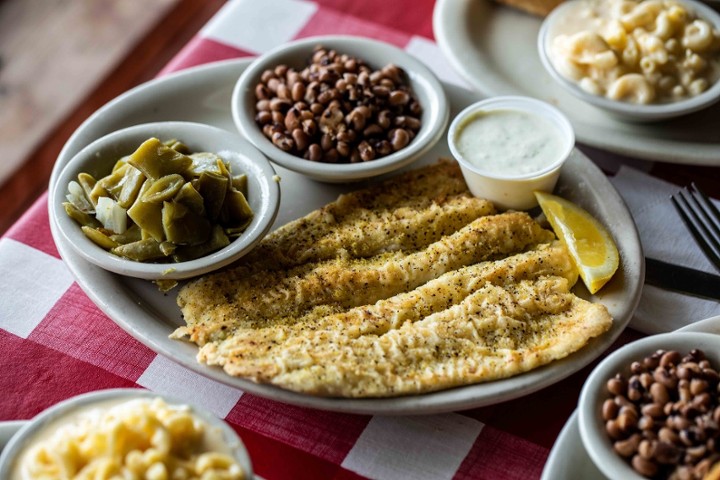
(138, 439)
(639, 51)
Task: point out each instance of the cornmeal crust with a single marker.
(407, 287)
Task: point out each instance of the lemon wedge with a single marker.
(589, 243)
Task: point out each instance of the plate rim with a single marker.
(652, 149)
(459, 398)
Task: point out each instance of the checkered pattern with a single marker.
(55, 343)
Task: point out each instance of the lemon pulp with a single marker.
(589, 243)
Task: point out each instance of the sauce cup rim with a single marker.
(523, 104)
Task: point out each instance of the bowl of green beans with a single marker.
(165, 200)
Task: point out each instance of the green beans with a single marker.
(123, 184)
(162, 203)
(82, 218)
(97, 236)
(163, 189)
(155, 160)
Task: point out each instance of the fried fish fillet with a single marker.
(406, 287)
(482, 322)
(252, 300)
(405, 213)
(479, 323)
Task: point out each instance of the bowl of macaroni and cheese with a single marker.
(125, 433)
(644, 60)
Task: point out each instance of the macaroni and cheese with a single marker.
(135, 439)
(649, 51)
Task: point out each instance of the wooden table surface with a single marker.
(173, 29)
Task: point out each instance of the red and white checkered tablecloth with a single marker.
(55, 343)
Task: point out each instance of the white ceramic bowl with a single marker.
(512, 191)
(377, 54)
(46, 421)
(625, 110)
(98, 159)
(594, 393)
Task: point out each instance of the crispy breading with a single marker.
(406, 212)
(482, 322)
(352, 313)
(217, 303)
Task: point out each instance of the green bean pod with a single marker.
(99, 238)
(132, 234)
(124, 184)
(182, 226)
(190, 197)
(213, 188)
(148, 216)
(240, 183)
(218, 240)
(98, 191)
(140, 251)
(163, 189)
(156, 160)
(236, 209)
(239, 229)
(82, 218)
(87, 182)
(205, 162)
(178, 146)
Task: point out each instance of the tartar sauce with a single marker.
(509, 142)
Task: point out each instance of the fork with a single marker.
(702, 218)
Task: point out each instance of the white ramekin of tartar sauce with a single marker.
(508, 147)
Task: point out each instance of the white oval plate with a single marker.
(568, 458)
(202, 94)
(494, 48)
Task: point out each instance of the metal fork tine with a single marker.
(712, 215)
(700, 223)
(704, 214)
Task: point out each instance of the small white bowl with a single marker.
(98, 159)
(46, 422)
(510, 191)
(592, 427)
(422, 81)
(619, 109)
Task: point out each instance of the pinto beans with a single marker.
(664, 417)
(337, 109)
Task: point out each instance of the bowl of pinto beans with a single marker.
(340, 108)
(651, 408)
